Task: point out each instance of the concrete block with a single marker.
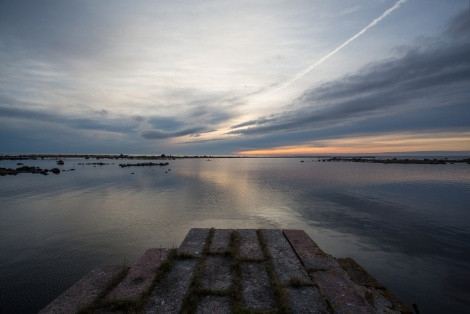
(170, 292)
(286, 263)
(249, 245)
(221, 241)
(84, 292)
(257, 292)
(214, 304)
(194, 242)
(139, 277)
(216, 274)
(312, 257)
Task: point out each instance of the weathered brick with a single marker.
(286, 264)
(308, 251)
(257, 292)
(214, 304)
(216, 274)
(139, 277)
(84, 292)
(249, 245)
(194, 242)
(305, 300)
(169, 294)
(343, 295)
(221, 241)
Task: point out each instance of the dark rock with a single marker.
(55, 170)
(60, 162)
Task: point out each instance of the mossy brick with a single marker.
(286, 263)
(305, 300)
(214, 304)
(343, 295)
(249, 245)
(193, 243)
(312, 257)
(140, 276)
(169, 293)
(216, 274)
(221, 241)
(380, 297)
(257, 292)
(85, 291)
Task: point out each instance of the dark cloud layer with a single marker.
(161, 134)
(431, 78)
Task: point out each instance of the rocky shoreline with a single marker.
(375, 160)
(26, 169)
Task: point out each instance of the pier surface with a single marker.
(226, 271)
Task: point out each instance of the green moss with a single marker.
(97, 302)
(195, 292)
(279, 291)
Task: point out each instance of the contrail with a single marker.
(347, 42)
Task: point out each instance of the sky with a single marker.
(234, 77)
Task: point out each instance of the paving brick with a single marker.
(214, 304)
(170, 292)
(343, 295)
(257, 292)
(194, 242)
(216, 274)
(286, 263)
(379, 297)
(312, 257)
(139, 277)
(221, 241)
(249, 245)
(306, 300)
(84, 292)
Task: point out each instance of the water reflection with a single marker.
(407, 224)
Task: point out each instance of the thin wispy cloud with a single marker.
(340, 47)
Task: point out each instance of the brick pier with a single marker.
(226, 271)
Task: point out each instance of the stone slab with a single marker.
(379, 296)
(194, 242)
(249, 245)
(85, 291)
(343, 295)
(305, 300)
(214, 304)
(358, 274)
(257, 293)
(216, 273)
(169, 294)
(221, 241)
(312, 257)
(286, 263)
(140, 276)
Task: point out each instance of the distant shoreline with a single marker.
(380, 158)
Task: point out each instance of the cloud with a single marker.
(161, 135)
(423, 80)
(99, 122)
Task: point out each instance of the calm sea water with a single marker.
(408, 225)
